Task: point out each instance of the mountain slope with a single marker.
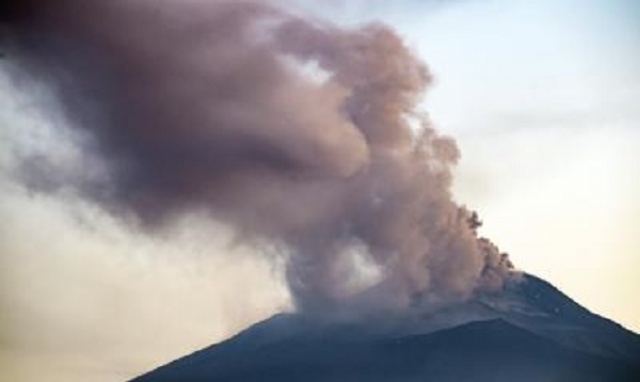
(528, 332)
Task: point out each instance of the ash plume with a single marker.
(297, 133)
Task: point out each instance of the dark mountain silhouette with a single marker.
(530, 331)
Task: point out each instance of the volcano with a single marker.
(528, 331)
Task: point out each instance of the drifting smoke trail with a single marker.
(212, 105)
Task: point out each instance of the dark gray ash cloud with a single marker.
(294, 131)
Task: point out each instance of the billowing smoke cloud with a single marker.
(301, 135)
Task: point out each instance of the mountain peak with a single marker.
(529, 331)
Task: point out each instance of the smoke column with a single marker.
(299, 134)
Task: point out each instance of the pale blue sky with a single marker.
(544, 100)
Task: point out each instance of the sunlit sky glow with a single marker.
(542, 97)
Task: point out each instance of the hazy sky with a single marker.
(542, 97)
